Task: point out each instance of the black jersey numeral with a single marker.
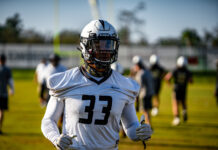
(89, 109)
(105, 110)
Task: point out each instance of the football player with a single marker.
(182, 76)
(5, 81)
(144, 78)
(39, 77)
(93, 97)
(158, 72)
(53, 67)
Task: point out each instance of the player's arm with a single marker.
(190, 80)
(10, 83)
(131, 125)
(49, 122)
(168, 77)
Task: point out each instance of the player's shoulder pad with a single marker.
(62, 80)
(130, 86)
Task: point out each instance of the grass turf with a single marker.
(22, 122)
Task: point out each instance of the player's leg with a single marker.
(47, 96)
(3, 107)
(147, 106)
(1, 119)
(40, 94)
(137, 104)
(175, 105)
(147, 116)
(175, 108)
(184, 106)
(156, 100)
(43, 94)
(184, 111)
(155, 109)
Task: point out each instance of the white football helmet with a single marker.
(181, 62)
(136, 59)
(153, 59)
(99, 43)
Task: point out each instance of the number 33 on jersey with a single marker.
(90, 105)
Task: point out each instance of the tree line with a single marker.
(12, 31)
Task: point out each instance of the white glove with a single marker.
(64, 141)
(143, 131)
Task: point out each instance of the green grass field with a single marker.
(22, 121)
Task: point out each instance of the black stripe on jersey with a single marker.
(83, 71)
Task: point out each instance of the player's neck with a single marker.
(93, 72)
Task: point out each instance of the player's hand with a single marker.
(64, 141)
(11, 92)
(144, 131)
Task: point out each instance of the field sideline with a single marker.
(22, 121)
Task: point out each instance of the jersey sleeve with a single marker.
(130, 121)
(133, 90)
(49, 122)
(59, 83)
(127, 86)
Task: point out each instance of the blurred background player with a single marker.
(216, 88)
(5, 81)
(132, 75)
(158, 72)
(53, 67)
(144, 78)
(181, 76)
(39, 77)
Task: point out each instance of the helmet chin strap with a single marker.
(94, 72)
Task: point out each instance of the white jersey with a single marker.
(50, 69)
(92, 109)
(40, 71)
